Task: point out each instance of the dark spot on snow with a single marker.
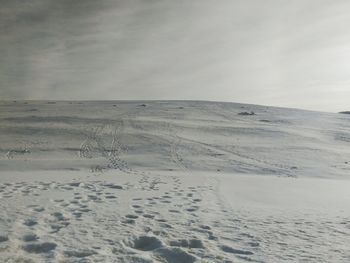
(246, 113)
(3, 238)
(39, 247)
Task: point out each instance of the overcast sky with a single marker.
(272, 52)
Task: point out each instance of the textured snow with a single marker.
(177, 182)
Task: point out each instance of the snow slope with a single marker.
(172, 181)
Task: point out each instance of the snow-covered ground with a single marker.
(175, 182)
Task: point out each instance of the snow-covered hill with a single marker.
(161, 135)
(172, 181)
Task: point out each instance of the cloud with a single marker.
(266, 52)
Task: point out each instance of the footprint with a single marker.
(192, 209)
(113, 186)
(77, 214)
(131, 216)
(57, 227)
(132, 258)
(67, 188)
(3, 238)
(148, 216)
(128, 221)
(79, 254)
(29, 222)
(58, 216)
(84, 210)
(93, 197)
(254, 244)
(174, 255)
(30, 237)
(145, 243)
(37, 248)
(165, 225)
(228, 249)
(39, 209)
(190, 243)
(110, 197)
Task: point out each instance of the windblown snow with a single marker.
(172, 182)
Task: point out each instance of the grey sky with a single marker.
(273, 52)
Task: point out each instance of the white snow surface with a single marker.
(173, 182)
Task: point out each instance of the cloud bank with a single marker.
(283, 53)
